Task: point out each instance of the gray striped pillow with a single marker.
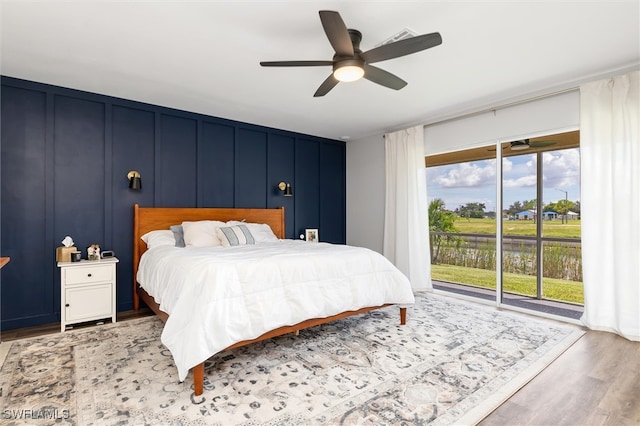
(237, 235)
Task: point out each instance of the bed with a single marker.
(209, 297)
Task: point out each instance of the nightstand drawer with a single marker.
(89, 274)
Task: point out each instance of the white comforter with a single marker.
(218, 296)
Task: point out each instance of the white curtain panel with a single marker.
(406, 225)
(610, 206)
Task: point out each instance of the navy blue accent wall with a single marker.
(307, 175)
(64, 159)
(281, 161)
(332, 193)
(215, 165)
(251, 169)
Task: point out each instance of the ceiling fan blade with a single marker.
(336, 32)
(326, 85)
(296, 63)
(540, 144)
(402, 48)
(383, 77)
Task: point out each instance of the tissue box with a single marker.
(63, 254)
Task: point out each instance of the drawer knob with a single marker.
(67, 305)
(88, 275)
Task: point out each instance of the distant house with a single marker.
(572, 215)
(549, 215)
(526, 215)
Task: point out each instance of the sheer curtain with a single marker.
(406, 226)
(610, 204)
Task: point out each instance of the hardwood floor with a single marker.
(595, 382)
(39, 330)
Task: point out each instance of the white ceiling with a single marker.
(203, 56)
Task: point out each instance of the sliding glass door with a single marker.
(535, 200)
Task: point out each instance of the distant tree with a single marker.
(519, 206)
(514, 208)
(440, 220)
(469, 210)
(563, 207)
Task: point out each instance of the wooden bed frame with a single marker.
(147, 219)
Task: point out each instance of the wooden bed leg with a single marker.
(136, 301)
(198, 379)
(403, 316)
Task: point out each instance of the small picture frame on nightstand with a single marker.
(311, 235)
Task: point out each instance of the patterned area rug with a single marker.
(453, 362)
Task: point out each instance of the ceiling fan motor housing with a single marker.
(349, 62)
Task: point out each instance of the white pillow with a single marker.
(159, 238)
(201, 233)
(237, 235)
(261, 232)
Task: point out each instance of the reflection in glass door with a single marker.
(561, 228)
(541, 254)
(519, 228)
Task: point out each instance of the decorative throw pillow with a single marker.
(261, 232)
(201, 233)
(158, 238)
(178, 234)
(238, 235)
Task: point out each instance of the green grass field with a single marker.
(550, 228)
(555, 289)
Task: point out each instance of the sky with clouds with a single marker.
(475, 182)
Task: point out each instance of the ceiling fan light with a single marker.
(348, 73)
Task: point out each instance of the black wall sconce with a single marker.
(135, 182)
(286, 188)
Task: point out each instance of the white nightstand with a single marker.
(87, 291)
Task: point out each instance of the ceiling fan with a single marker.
(525, 144)
(350, 63)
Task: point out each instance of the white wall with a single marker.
(365, 192)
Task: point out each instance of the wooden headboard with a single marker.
(147, 219)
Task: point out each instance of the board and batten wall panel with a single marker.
(133, 139)
(251, 169)
(79, 173)
(65, 157)
(216, 169)
(332, 193)
(79, 170)
(176, 183)
(281, 168)
(23, 208)
(307, 185)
